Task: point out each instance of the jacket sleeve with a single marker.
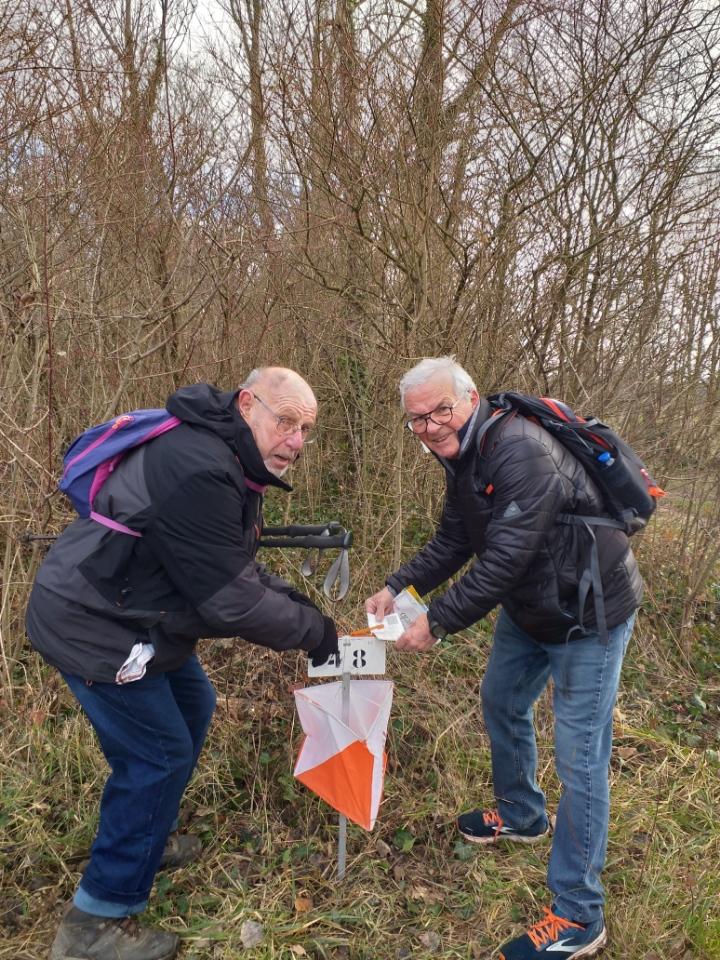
(197, 536)
(529, 492)
(440, 558)
(272, 581)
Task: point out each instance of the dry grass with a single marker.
(412, 889)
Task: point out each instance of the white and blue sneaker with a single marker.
(556, 938)
(487, 826)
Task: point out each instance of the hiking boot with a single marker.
(487, 826)
(83, 936)
(180, 849)
(555, 936)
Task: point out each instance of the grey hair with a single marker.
(252, 378)
(275, 376)
(432, 368)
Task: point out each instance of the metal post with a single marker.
(342, 820)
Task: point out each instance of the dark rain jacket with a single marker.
(195, 493)
(503, 507)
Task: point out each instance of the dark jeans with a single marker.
(151, 732)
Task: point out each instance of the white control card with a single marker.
(389, 629)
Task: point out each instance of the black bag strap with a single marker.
(480, 439)
(491, 421)
(591, 576)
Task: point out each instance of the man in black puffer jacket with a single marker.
(119, 616)
(504, 500)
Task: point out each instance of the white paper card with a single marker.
(357, 656)
(391, 627)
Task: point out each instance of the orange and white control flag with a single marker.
(344, 763)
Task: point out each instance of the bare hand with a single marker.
(380, 604)
(417, 637)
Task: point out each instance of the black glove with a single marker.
(304, 601)
(328, 645)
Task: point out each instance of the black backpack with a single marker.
(629, 492)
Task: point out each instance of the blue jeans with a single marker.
(585, 674)
(151, 732)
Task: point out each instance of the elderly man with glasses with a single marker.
(119, 617)
(507, 486)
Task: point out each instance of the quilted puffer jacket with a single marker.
(196, 495)
(503, 507)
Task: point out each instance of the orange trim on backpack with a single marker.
(600, 440)
(557, 411)
(653, 489)
(563, 416)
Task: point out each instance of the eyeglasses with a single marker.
(439, 416)
(286, 426)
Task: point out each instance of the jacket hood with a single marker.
(203, 405)
(479, 415)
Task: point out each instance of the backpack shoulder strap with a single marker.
(484, 429)
(480, 439)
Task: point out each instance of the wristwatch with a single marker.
(437, 630)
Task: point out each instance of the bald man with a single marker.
(120, 616)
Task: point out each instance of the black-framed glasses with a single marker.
(439, 416)
(287, 426)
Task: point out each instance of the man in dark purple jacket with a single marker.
(508, 487)
(120, 616)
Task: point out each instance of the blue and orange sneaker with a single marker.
(556, 937)
(487, 826)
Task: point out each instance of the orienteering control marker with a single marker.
(343, 756)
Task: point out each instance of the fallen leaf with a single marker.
(303, 904)
(251, 934)
(430, 940)
(39, 882)
(420, 892)
(383, 848)
(626, 753)
(298, 950)
(11, 912)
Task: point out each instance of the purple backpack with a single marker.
(93, 456)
